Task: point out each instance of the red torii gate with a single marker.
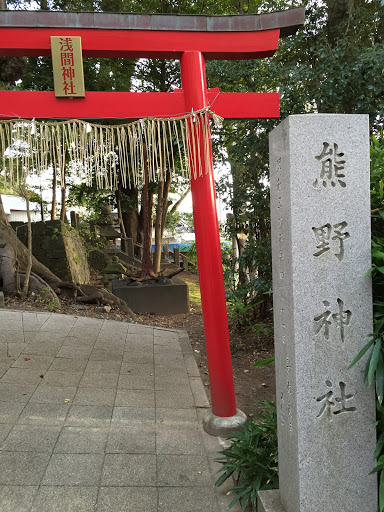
(190, 39)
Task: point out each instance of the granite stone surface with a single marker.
(320, 206)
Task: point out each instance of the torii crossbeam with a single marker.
(192, 39)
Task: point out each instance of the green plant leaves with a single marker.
(264, 362)
(252, 458)
(361, 353)
(372, 363)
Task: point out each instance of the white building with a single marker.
(15, 208)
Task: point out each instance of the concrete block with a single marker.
(269, 501)
(154, 297)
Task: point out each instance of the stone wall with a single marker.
(59, 248)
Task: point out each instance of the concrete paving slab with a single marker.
(41, 347)
(74, 352)
(44, 337)
(31, 438)
(65, 499)
(43, 414)
(129, 469)
(5, 364)
(82, 440)
(176, 442)
(4, 431)
(10, 411)
(138, 357)
(53, 394)
(133, 416)
(135, 398)
(141, 439)
(102, 367)
(38, 363)
(15, 349)
(174, 398)
(87, 339)
(192, 500)
(17, 498)
(138, 341)
(176, 419)
(183, 471)
(137, 369)
(10, 392)
(105, 355)
(22, 468)
(21, 376)
(99, 380)
(68, 364)
(74, 469)
(89, 396)
(113, 425)
(62, 379)
(11, 336)
(127, 499)
(128, 381)
(89, 415)
(143, 330)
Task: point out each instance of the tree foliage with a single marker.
(335, 65)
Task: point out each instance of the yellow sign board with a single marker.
(67, 61)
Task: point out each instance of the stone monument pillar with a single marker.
(320, 203)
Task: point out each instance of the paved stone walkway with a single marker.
(103, 416)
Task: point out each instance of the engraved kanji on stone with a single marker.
(329, 400)
(340, 236)
(341, 319)
(332, 163)
(324, 321)
(323, 238)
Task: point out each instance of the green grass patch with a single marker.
(194, 292)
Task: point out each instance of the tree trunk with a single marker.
(147, 203)
(158, 234)
(54, 185)
(123, 234)
(161, 216)
(28, 270)
(179, 201)
(62, 211)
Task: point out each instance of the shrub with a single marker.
(251, 460)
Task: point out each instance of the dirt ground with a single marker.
(252, 385)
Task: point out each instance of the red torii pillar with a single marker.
(190, 47)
